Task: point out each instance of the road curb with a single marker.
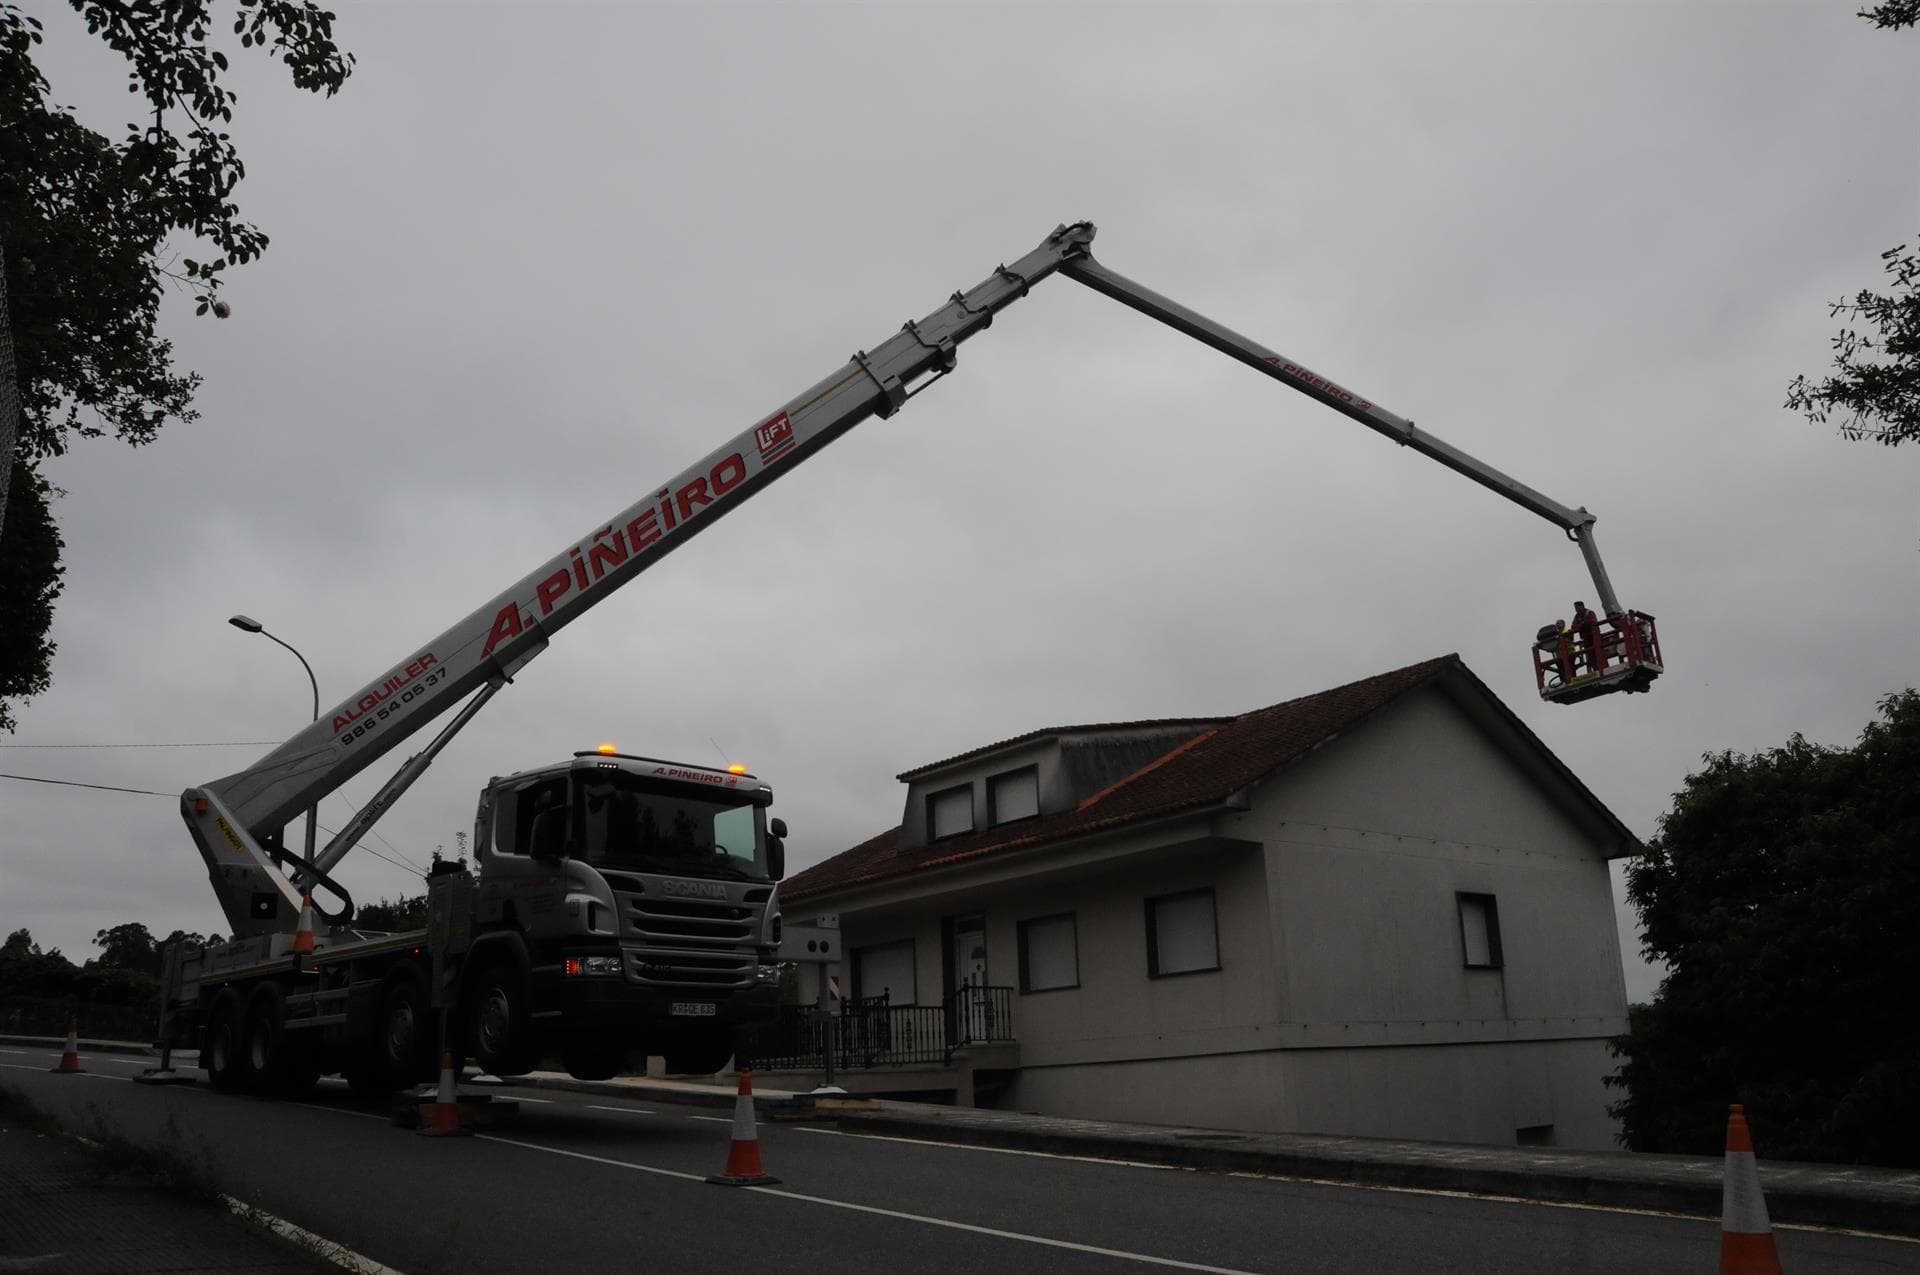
(1885, 1201)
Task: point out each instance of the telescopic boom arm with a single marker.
(232, 817)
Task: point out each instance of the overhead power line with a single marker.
(225, 743)
(72, 783)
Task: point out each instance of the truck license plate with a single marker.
(693, 1009)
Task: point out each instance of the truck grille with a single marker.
(657, 920)
(674, 931)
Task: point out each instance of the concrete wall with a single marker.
(1468, 1093)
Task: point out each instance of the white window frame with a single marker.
(1027, 985)
(909, 995)
(995, 785)
(934, 800)
(1155, 967)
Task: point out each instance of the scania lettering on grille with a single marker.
(695, 889)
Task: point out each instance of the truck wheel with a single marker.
(405, 1043)
(265, 1037)
(499, 1025)
(220, 1049)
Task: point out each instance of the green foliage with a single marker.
(1779, 892)
(25, 970)
(85, 220)
(393, 916)
(30, 579)
(126, 947)
(1875, 385)
(1893, 15)
(85, 225)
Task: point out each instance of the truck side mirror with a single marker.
(549, 835)
(778, 826)
(776, 858)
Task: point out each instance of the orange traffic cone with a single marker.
(1746, 1237)
(303, 937)
(441, 1117)
(743, 1158)
(70, 1060)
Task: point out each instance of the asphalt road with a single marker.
(584, 1183)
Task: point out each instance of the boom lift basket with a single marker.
(1618, 653)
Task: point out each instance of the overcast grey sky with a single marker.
(536, 258)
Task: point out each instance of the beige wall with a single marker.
(1342, 1004)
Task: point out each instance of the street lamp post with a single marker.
(251, 625)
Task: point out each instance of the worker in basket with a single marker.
(1554, 640)
(1585, 627)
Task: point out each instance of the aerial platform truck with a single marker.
(620, 905)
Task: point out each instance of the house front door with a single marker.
(970, 976)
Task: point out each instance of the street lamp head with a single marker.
(246, 622)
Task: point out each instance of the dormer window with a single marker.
(950, 812)
(1014, 795)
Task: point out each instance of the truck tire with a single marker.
(264, 1037)
(221, 1052)
(281, 1063)
(499, 1021)
(405, 1041)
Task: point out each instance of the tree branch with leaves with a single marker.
(1874, 389)
(88, 229)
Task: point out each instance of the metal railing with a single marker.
(872, 1032)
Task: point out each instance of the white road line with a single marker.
(630, 1111)
(715, 1119)
(522, 1098)
(1019, 1237)
(333, 1251)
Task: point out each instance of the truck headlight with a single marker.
(577, 965)
(767, 973)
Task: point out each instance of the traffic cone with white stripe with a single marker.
(743, 1158)
(441, 1117)
(70, 1059)
(303, 937)
(1746, 1237)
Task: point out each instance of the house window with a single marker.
(1181, 938)
(950, 812)
(885, 969)
(1479, 930)
(1049, 954)
(1014, 795)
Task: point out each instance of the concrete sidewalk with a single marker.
(1845, 1196)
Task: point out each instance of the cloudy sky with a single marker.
(536, 258)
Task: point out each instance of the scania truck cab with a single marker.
(640, 889)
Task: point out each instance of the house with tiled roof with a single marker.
(1378, 910)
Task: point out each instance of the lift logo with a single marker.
(228, 835)
(1320, 383)
(613, 546)
(774, 438)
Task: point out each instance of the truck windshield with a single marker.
(631, 823)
